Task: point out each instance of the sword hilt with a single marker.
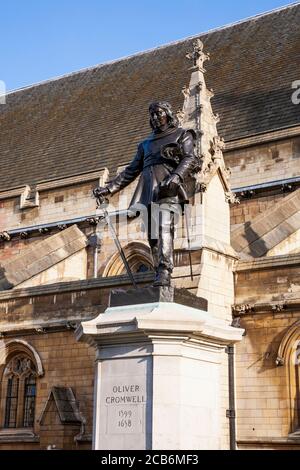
(100, 200)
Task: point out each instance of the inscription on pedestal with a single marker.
(126, 409)
(125, 403)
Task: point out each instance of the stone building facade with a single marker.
(58, 263)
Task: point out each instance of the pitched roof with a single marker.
(41, 256)
(94, 118)
(66, 405)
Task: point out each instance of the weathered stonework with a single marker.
(254, 272)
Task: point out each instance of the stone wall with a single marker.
(264, 163)
(265, 411)
(45, 318)
(267, 302)
(66, 363)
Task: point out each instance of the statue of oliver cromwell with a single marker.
(166, 162)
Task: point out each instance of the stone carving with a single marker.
(5, 236)
(232, 198)
(24, 235)
(44, 230)
(278, 308)
(279, 361)
(197, 55)
(20, 366)
(216, 148)
(186, 91)
(242, 309)
(93, 220)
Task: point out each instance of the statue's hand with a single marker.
(101, 192)
(169, 187)
(172, 180)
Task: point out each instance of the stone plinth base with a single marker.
(157, 376)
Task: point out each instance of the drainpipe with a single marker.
(231, 414)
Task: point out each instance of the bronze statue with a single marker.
(167, 163)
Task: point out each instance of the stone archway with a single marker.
(289, 357)
(137, 254)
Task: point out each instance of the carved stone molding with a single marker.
(278, 307)
(23, 348)
(24, 235)
(289, 344)
(40, 330)
(93, 220)
(266, 308)
(231, 198)
(136, 252)
(242, 309)
(5, 237)
(216, 148)
(44, 230)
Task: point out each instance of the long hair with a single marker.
(172, 119)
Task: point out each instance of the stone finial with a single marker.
(197, 113)
(198, 56)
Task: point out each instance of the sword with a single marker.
(100, 201)
(189, 241)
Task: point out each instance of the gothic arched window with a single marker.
(20, 377)
(138, 256)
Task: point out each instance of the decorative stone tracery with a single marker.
(20, 366)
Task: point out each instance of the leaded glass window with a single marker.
(20, 374)
(29, 401)
(11, 405)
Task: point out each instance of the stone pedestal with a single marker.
(157, 372)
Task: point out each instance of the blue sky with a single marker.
(41, 39)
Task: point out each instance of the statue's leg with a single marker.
(165, 248)
(153, 234)
(155, 255)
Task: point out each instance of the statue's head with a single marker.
(161, 116)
